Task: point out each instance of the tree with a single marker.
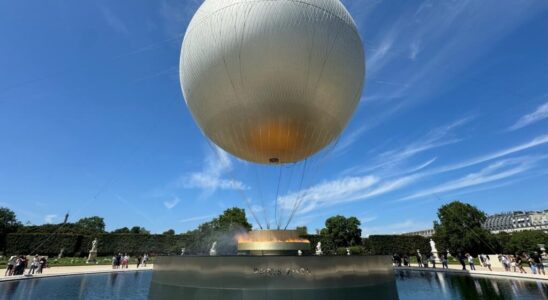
(8, 224)
(139, 230)
(526, 241)
(169, 232)
(459, 229)
(222, 230)
(232, 218)
(93, 224)
(343, 231)
(121, 230)
(8, 221)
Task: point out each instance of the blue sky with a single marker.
(92, 119)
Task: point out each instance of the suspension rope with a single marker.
(276, 199)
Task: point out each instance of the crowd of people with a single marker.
(121, 261)
(18, 264)
(510, 263)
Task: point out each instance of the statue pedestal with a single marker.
(92, 257)
(436, 257)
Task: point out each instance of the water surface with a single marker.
(412, 285)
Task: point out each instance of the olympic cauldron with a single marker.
(267, 267)
(272, 242)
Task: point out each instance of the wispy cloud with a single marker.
(217, 164)
(50, 218)
(397, 228)
(194, 219)
(352, 188)
(114, 21)
(424, 49)
(539, 114)
(541, 140)
(493, 172)
(439, 137)
(415, 49)
(171, 204)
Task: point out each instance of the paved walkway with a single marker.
(480, 271)
(73, 270)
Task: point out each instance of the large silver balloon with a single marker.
(272, 81)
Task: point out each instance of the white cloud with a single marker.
(49, 218)
(210, 178)
(171, 204)
(326, 193)
(397, 228)
(438, 137)
(541, 140)
(349, 189)
(445, 27)
(539, 114)
(493, 172)
(193, 219)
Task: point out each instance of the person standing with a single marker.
(41, 265)
(513, 264)
(461, 257)
(532, 265)
(505, 263)
(444, 263)
(10, 266)
(538, 262)
(19, 265)
(419, 259)
(519, 264)
(487, 262)
(33, 265)
(471, 262)
(139, 259)
(145, 259)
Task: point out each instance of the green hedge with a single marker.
(108, 244)
(401, 244)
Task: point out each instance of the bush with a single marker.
(108, 244)
(400, 244)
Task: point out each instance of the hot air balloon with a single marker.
(272, 81)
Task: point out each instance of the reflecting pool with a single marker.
(412, 285)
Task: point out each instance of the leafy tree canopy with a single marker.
(8, 220)
(459, 229)
(92, 224)
(343, 231)
(169, 232)
(139, 230)
(121, 230)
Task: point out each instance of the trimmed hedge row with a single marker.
(401, 244)
(134, 244)
(108, 244)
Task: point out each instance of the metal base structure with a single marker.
(273, 278)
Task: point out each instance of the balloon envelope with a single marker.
(272, 81)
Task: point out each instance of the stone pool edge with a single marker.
(479, 273)
(39, 276)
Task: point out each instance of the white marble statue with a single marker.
(92, 257)
(94, 246)
(213, 250)
(183, 251)
(319, 248)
